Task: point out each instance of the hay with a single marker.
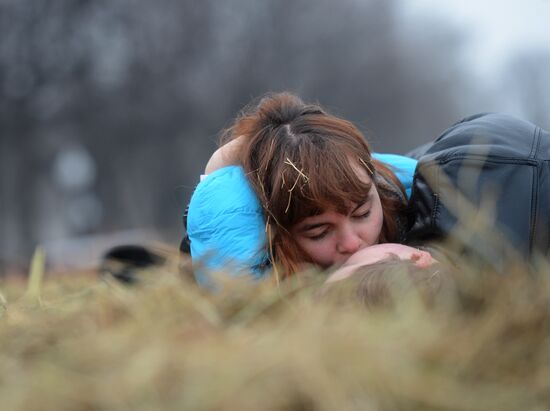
(83, 343)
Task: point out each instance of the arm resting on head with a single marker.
(226, 155)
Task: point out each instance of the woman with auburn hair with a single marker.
(295, 185)
(321, 194)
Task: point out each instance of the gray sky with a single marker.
(495, 27)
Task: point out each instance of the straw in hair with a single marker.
(300, 174)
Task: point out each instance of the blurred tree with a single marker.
(144, 87)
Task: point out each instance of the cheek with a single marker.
(379, 223)
(370, 232)
(373, 226)
(320, 252)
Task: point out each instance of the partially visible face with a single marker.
(331, 237)
(380, 252)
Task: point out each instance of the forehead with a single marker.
(393, 248)
(379, 252)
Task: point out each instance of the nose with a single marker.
(349, 241)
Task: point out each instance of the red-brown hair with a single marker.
(299, 160)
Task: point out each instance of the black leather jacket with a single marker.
(494, 162)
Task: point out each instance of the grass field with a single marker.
(81, 342)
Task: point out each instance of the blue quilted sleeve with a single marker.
(225, 225)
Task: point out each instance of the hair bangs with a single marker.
(312, 187)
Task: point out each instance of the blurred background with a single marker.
(110, 109)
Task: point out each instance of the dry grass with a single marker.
(82, 343)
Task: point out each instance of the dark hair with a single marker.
(299, 161)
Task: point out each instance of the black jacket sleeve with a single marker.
(485, 180)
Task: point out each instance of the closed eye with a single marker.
(315, 231)
(365, 214)
(318, 236)
(363, 210)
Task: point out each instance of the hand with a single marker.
(226, 155)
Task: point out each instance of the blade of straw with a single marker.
(36, 274)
